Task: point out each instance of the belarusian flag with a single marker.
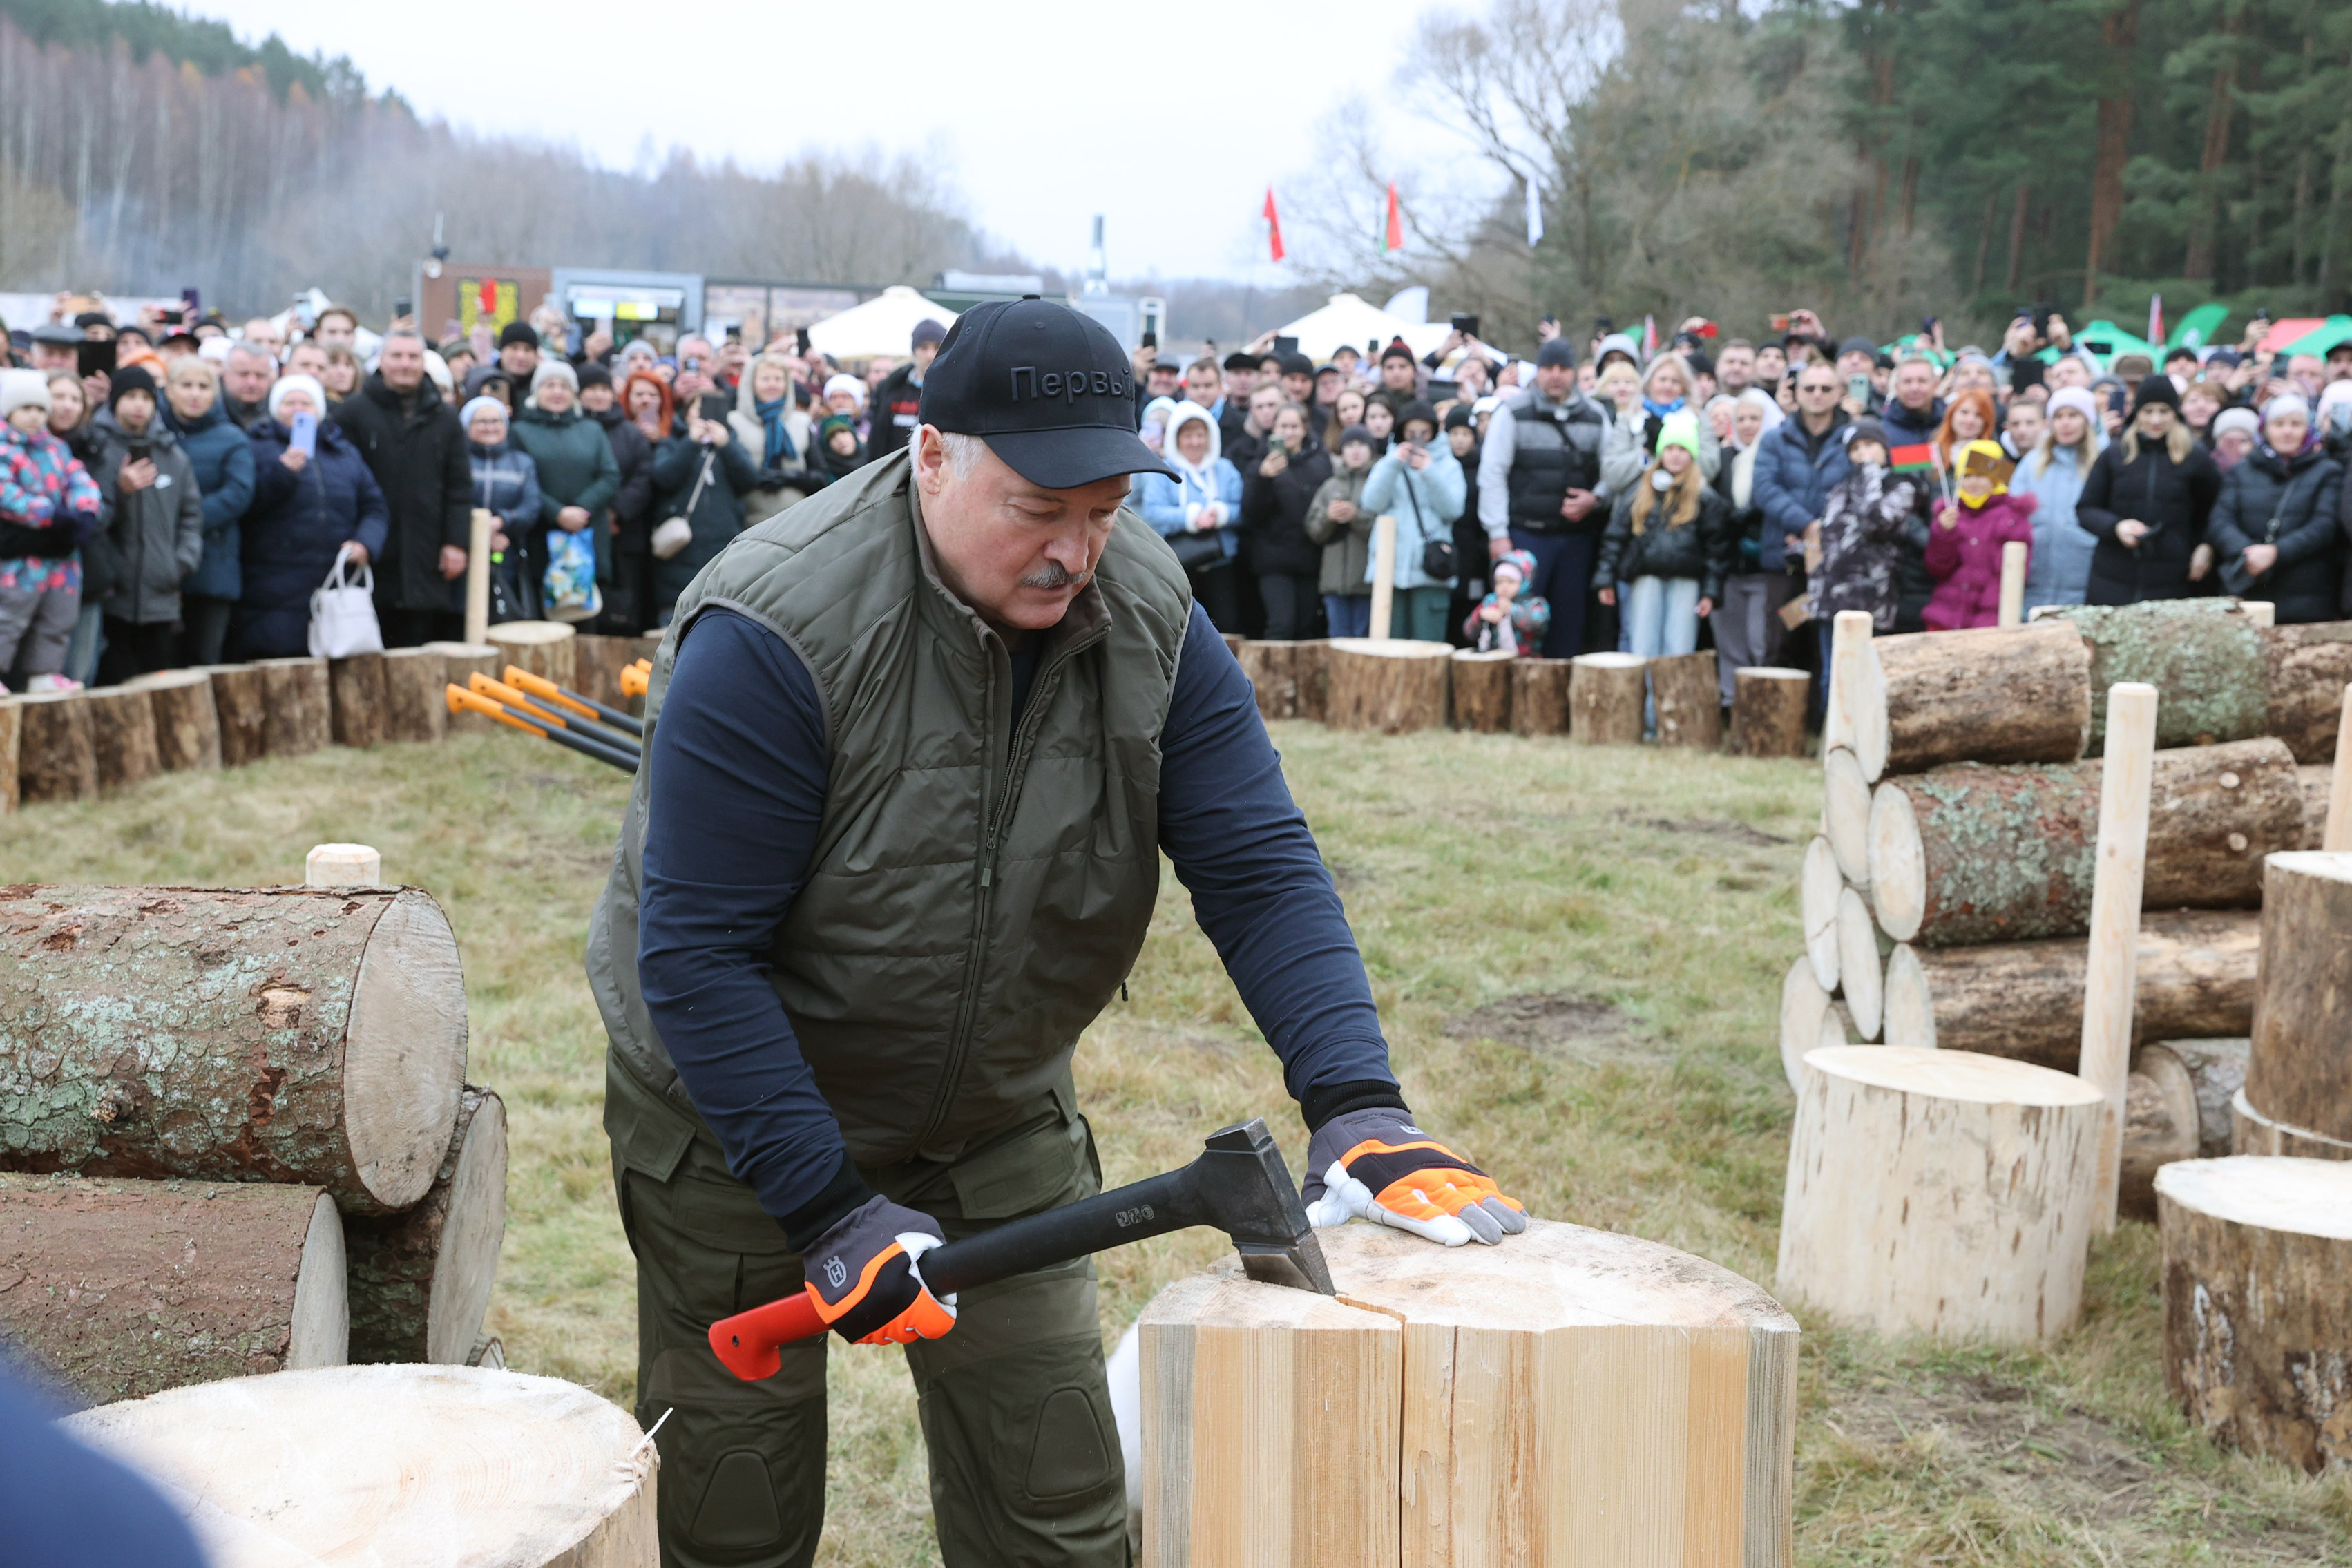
(1273, 224)
(1392, 235)
(1918, 458)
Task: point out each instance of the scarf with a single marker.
(1660, 410)
(772, 420)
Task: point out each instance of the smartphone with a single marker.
(1466, 324)
(713, 405)
(1151, 340)
(94, 358)
(303, 436)
(801, 342)
(137, 451)
(1273, 445)
(1780, 320)
(691, 361)
(403, 307)
(190, 307)
(1286, 346)
(1858, 388)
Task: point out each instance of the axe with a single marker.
(1239, 1184)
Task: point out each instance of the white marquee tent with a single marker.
(882, 325)
(1348, 319)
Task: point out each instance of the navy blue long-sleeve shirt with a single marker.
(739, 772)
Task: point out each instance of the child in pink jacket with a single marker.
(1964, 545)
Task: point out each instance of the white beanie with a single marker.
(849, 383)
(23, 388)
(2285, 403)
(285, 384)
(555, 370)
(2080, 400)
(465, 415)
(2230, 419)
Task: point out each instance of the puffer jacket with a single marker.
(1965, 560)
(1792, 481)
(48, 502)
(2175, 500)
(2290, 502)
(223, 464)
(1702, 550)
(295, 528)
(1425, 505)
(2060, 569)
(1346, 546)
(157, 534)
(1274, 511)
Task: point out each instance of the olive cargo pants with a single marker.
(1016, 1416)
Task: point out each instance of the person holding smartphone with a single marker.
(315, 501)
(155, 526)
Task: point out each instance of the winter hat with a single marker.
(2080, 400)
(593, 373)
(1614, 343)
(1355, 433)
(1858, 345)
(2238, 419)
(832, 422)
(1459, 416)
(1518, 561)
(848, 384)
(465, 415)
(1418, 408)
(2285, 403)
(555, 370)
(1555, 352)
(928, 330)
(1397, 349)
(2158, 388)
(518, 333)
(1679, 428)
(1993, 453)
(134, 378)
(285, 384)
(23, 388)
(1865, 429)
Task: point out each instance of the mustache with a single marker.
(1052, 575)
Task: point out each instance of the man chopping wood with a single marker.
(914, 749)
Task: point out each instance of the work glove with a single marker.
(1375, 1164)
(863, 1276)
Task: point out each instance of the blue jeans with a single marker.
(1662, 616)
(1349, 614)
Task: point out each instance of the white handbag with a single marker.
(342, 615)
(676, 533)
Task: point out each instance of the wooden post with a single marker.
(1768, 711)
(187, 724)
(342, 866)
(2111, 974)
(1383, 575)
(299, 705)
(1392, 686)
(2013, 583)
(356, 691)
(57, 749)
(2262, 612)
(2338, 835)
(478, 575)
(412, 705)
(241, 704)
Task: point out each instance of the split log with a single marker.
(124, 1288)
(1969, 854)
(356, 691)
(421, 1281)
(2175, 1107)
(1855, 716)
(412, 705)
(1688, 693)
(458, 661)
(241, 704)
(2317, 782)
(123, 736)
(1574, 1396)
(2305, 670)
(12, 733)
(398, 1467)
(2024, 999)
(1845, 814)
(187, 725)
(2205, 658)
(546, 649)
(57, 755)
(2303, 997)
(1482, 691)
(1990, 694)
(1861, 967)
(1605, 692)
(2257, 1324)
(1803, 1004)
(281, 1034)
(1940, 1192)
(1539, 700)
(1819, 890)
(1311, 659)
(2252, 1132)
(1273, 669)
(299, 705)
(1387, 686)
(1768, 711)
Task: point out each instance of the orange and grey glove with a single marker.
(1376, 1165)
(865, 1277)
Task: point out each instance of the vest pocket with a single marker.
(1034, 1170)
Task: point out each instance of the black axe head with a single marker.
(1244, 1189)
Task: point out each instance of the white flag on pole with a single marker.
(1534, 212)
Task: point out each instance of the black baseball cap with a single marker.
(1048, 389)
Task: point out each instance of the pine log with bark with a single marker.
(2175, 1107)
(2252, 1132)
(1387, 686)
(2206, 657)
(458, 661)
(1312, 659)
(413, 708)
(1688, 694)
(1989, 694)
(56, 749)
(420, 1279)
(187, 723)
(1273, 669)
(1768, 711)
(123, 737)
(299, 706)
(1540, 696)
(356, 694)
(1605, 695)
(2305, 668)
(2303, 998)
(547, 648)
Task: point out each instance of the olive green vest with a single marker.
(978, 892)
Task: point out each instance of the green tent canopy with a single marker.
(2326, 336)
(2110, 342)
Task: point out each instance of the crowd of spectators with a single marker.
(178, 497)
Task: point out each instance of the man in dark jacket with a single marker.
(899, 401)
(1276, 490)
(416, 450)
(1539, 489)
(1797, 462)
(1913, 415)
(626, 600)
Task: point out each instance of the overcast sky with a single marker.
(1169, 120)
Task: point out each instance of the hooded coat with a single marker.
(1275, 512)
(1965, 560)
(1425, 505)
(1346, 546)
(417, 451)
(223, 458)
(780, 472)
(1171, 506)
(2290, 502)
(295, 528)
(157, 534)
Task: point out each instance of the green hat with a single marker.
(1679, 428)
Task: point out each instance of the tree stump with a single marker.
(2317, 781)
(546, 649)
(1572, 1396)
(56, 749)
(1969, 854)
(2024, 999)
(1539, 689)
(1940, 1192)
(1689, 696)
(412, 705)
(2303, 997)
(241, 705)
(2206, 657)
(1845, 814)
(12, 734)
(2305, 668)
(1605, 692)
(187, 725)
(1862, 968)
(1482, 691)
(396, 1467)
(1819, 888)
(1768, 711)
(2252, 1132)
(458, 661)
(356, 690)
(1803, 1004)
(123, 736)
(1311, 660)
(1989, 694)
(598, 661)
(2257, 1324)
(421, 1279)
(2175, 1107)
(124, 1288)
(1389, 687)
(282, 1035)
(1273, 669)
(298, 704)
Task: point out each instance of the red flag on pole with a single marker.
(1272, 224)
(1392, 237)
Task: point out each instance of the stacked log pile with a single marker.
(75, 745)
(241, 1133)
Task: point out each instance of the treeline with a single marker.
(142, 151)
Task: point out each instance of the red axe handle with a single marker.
(748, 1342)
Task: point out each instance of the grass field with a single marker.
(1578, 953)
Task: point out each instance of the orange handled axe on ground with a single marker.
(1239, 1184)
(555, 696)
(546, 716)
(461, 701)
(635, 678)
